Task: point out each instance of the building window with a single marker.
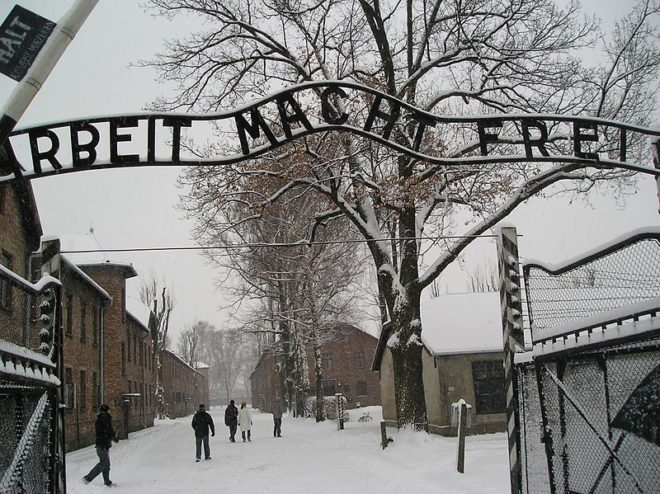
(5, 287)
(488, 377)
(69, 389)
(69, 315)
(326, 361)
(361, 388)
(359, 360)
(123, 358)
(128, 343)
(346, 390)
(329, 387)
(83, 321)
(83, 390)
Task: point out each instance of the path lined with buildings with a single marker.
(309, 457)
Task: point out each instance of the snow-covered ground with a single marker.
(310, 457)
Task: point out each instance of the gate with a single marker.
(31, 419)
(589, 391)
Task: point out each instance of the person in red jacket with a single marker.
(105, 434)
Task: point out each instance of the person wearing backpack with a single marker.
(202, 422)
(231, 420)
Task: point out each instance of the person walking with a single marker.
(245, 421)
(202, 422)
(277, 419)
(105, 434)
(231, 420)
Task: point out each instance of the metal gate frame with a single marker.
(578, 342)
(33, 368)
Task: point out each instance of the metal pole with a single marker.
(23, 94)
(512, 333)
(655, 147)
(50, 263)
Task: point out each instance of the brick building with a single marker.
(20, 234)
(185, 386)
(84, 303)
(108, 350)
(138, 403)
(346, 359)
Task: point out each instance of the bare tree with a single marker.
(188, 344)
(226, 359)
(298, 288)
(161, 301)
(467, 56)
(484, 278)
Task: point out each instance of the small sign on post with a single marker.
(22, 36)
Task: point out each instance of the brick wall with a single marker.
(185, 388)
(112, 277)
(264, 383)
(139, 377)
(347, 361)
(18, 238)
(83, 306)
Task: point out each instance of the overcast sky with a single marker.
(135, 207)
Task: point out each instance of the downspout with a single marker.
(101, 354)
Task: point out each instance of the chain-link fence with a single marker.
(622, 274)
(533, 464)
(601, 422)
(31, 425)
(589, 406)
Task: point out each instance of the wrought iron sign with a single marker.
(156, 139)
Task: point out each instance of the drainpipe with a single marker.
(101, 354)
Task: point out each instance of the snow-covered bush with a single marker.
(328, 407)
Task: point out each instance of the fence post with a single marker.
(512, 332)
(655, 148)
(50, 263)
(462, 426)
(383, 435)
(339, 408)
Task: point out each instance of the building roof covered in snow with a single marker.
(84, 250)
(455, 323)
(462, 323)
(138, 311)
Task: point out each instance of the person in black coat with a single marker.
(231, 420)
(105, 434)
(202, 422)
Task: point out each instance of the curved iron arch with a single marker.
(528, 132)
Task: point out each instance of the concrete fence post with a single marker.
(383, 435)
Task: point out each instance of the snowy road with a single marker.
(308, 458)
